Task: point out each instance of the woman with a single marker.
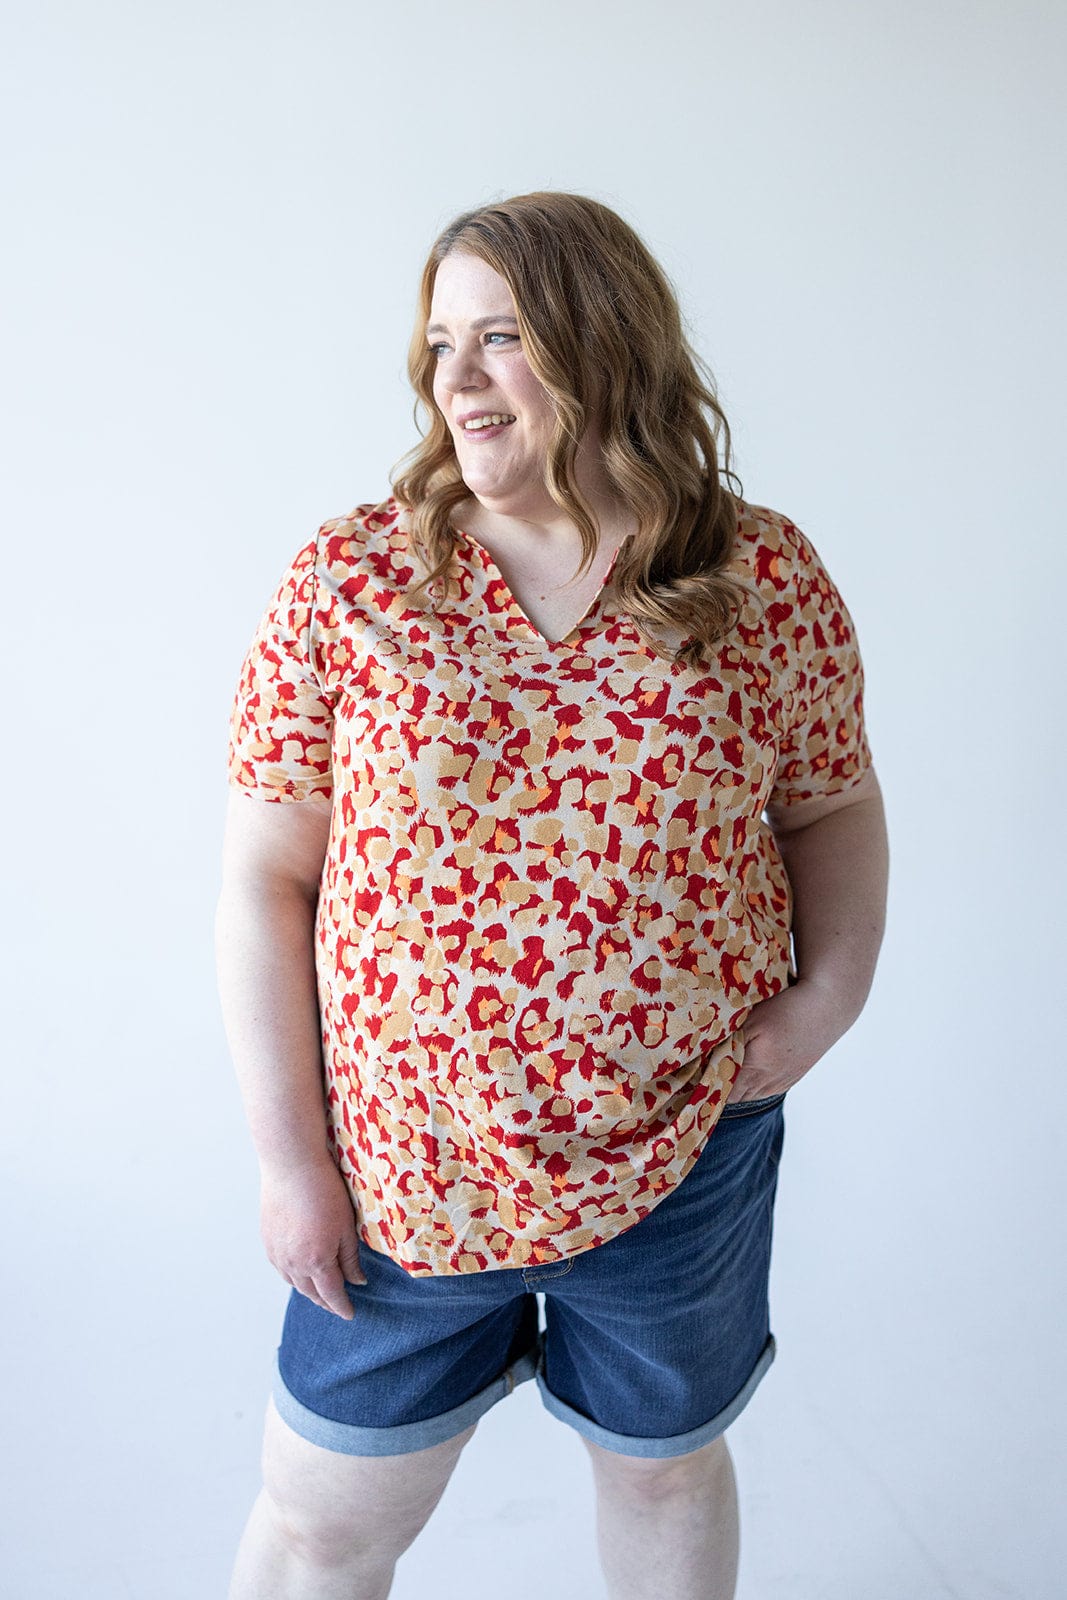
(567, 738)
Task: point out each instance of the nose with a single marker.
(463, 369)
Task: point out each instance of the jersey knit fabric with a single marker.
(550, 897)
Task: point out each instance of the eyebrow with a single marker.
(479, 322)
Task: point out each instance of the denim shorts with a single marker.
(651, 1343)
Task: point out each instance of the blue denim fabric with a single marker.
(652, 1343)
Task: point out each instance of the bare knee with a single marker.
(653, 1479)
(315, 1541)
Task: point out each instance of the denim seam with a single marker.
(545, 1275)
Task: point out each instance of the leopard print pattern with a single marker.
(550, 896)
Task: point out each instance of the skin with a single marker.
(481, 367)
(326, 1525)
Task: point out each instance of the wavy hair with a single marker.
(601, 330)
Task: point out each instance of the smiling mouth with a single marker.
(492, 419)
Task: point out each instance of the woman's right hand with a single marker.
(308, 1226)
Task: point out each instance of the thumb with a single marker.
(349, 1262)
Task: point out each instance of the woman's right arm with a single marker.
(264, 938)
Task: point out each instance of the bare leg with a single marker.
(328, 1526)
(667, 1527)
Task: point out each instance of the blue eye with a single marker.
(437, 349)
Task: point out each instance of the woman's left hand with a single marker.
(785, 1036)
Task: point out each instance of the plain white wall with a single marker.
(215, 216)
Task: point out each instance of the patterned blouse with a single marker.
(550, 897)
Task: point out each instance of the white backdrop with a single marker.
(215, 217)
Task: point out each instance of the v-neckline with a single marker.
(534, 635)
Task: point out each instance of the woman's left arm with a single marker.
(836, 853)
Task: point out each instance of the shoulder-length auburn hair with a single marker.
(601, 330)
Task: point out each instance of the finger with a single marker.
(350, 1264)
(331, 1287)
(306, 1287)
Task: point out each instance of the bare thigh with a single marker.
(320, 1495)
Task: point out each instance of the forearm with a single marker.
(264, 939)
(839, 868)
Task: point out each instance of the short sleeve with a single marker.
(824, 749)
(281, 723)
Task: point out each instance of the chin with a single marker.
(487, 488)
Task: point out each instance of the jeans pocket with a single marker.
(751, 1108)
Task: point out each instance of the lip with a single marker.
(480, 435)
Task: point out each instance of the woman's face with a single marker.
(482, 372)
